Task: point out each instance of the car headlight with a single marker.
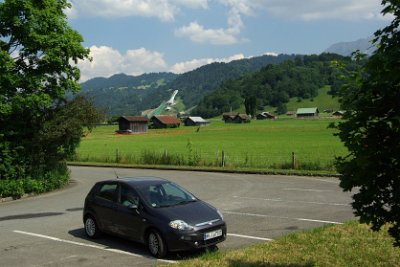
(220, 214)
(180, 225)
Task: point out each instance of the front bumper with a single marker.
(180, 241)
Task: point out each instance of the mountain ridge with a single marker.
(123, 94)
(347, 48)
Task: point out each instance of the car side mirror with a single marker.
(133, 207)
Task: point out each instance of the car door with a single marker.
(105, 203)
(128, 220)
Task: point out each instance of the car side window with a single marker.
(108, 192)
(128, 197)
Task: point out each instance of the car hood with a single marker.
(192, 213)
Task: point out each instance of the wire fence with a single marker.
(219, 158)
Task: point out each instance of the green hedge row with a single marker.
(16, 188)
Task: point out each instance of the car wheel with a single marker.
(91, 229)
(156, 244)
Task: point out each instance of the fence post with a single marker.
(293, 160)
(223, 159)
(117, 156)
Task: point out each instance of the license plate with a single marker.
(213, 234)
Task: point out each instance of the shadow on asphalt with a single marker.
(112, 242)
(30, 216)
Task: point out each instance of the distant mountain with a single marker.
(346, 48)
(122, 94)
(121, 80)
(128, 95)
(195, 84)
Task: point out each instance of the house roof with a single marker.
(197, 119)
(134, 118)
(233, 116)
(339, 112)
(167, 119)
(307, 111)
(265, 114)
(243, 116)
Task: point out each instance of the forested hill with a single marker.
(128, 95)
(274, 85)
(123, 94)
(194, 85)
(126, 81)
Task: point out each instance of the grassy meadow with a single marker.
(351, 244)
(256, 145)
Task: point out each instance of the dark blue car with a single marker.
(152, 211)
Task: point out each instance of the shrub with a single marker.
(51, 180)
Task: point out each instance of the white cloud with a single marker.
(309, 10)
(186, 66)
(164, 10)
(197, 33)
(245, 7)
(290, 9)
(191, 3)
(108, 61)
(273, 54)
(220, 36)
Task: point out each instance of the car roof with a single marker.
(138, 180)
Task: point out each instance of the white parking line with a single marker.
(85, 245)
(280, 217)
(250, 237)
(307, 190)
(293, 201)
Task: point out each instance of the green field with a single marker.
(259, 144)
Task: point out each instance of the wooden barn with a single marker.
(235, 118)
(307, 112)
(132, 124)
(195, 121)
(163, 121)
(264, 116)
(338, 113)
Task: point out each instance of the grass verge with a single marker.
(294, 172)
(351, 244)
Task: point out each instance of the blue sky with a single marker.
(141, 36)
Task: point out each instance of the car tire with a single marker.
(91, 228)
(156, 244)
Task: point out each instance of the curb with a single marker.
(8, 199)
(261, 172)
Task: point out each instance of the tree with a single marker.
(37, 52)
(281, 109)
(371, 131)
(250, 104)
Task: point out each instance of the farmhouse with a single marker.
(338, 113)
(235, 118)
(307, 112)
(264, 116)
(131, 124)
(163, 121)
(195, 121)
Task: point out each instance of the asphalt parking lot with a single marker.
(47, 230)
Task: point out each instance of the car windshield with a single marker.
(165, 195)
